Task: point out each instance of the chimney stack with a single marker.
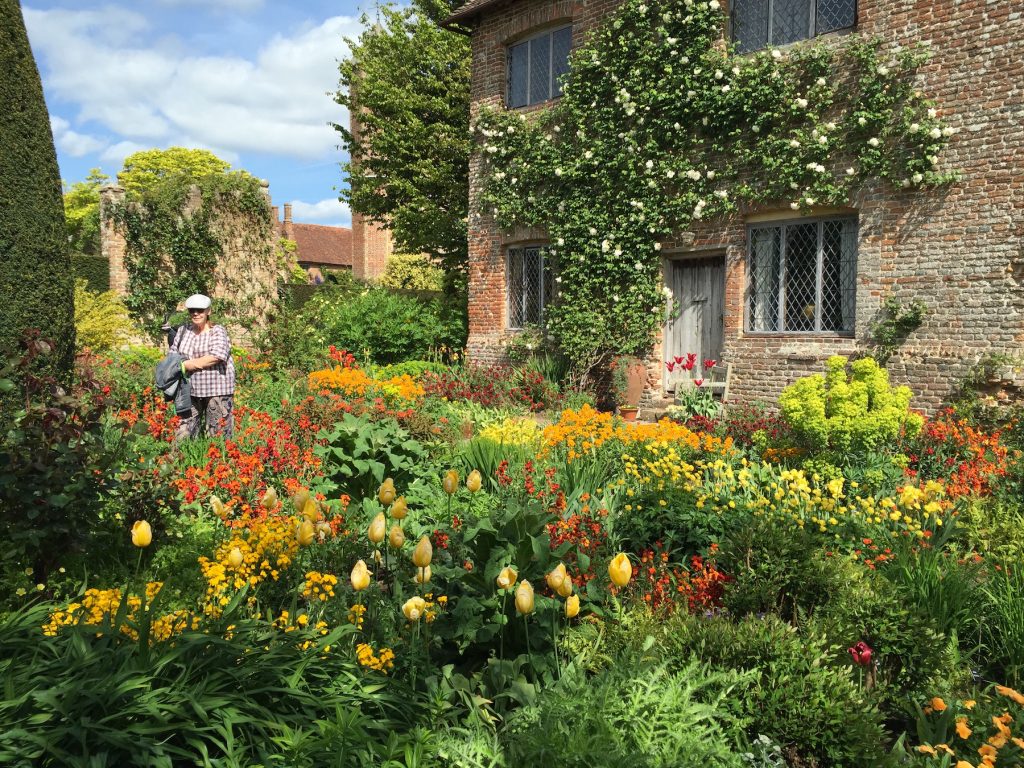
(288, 222)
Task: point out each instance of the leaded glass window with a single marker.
(537, 66)
(530, 286)
(759, 23)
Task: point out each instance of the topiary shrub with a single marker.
(101, 319)
(848, 412)
(412, 272)
(35, 268)
(95, 270)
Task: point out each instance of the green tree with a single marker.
(408, 81)
(143, 170)
(35, 265)
(82, 213)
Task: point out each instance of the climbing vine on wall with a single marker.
(660, 125)
(177, 233)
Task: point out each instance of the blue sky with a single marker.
(250, 80)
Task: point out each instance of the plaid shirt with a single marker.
(218, 379)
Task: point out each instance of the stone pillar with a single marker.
(289, 232)
(112, 242)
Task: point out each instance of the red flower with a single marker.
(698, 382)
(709, 364)
(670, 365)
(861, 653)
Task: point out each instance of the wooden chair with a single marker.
(719, 382)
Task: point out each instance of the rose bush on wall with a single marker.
(659, 125)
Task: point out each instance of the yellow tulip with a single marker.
(450, 483)
(299, 500)
(269, 500)
(386, 492)
(413, 608)
(304, 533)
(360, 576)
(142, 534)
(217, 505)
(474, 481)
(620, 570)
(310, 511)
(423, 554)
(556, 577)
(323, 530)
(400, 508)
(507, 577)
(396, 537)
(524, 598)
(565, 588)
(422, 575)
(377, 529)
(235, 558)
(572, 606)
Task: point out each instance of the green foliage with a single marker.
(146, 170)
(35, 269)
(358, 454)
(79, 699)
(660, 125)
(994, 527)
(629, 715)
(408, 81)
(411, 272)
(95, 270)
(386, 326)
(130, 371)
(693, 401)
(101, 319)
(82, 213)
(842, 413)
(173, 251)
(413, 368)
(1002, 625)
(894, 326)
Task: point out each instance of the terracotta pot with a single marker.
(628, 413)
(636, 379)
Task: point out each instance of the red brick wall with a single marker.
(958, 249)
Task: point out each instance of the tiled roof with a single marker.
(469, 10)
(322, 245)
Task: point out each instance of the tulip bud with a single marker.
(565, 588)
(386, 492)
(400, 508)
(507, 577)
(450, 483)
(299, 500)
(360, 576)
(414, 607)
(556, 577)
(269, 500)
(323, 530)
(396, 537)
(304, 533)
(377, 529)
(620, 570)
(142, 534)
(474, 481)
(423, 554)
(310, 511)
(524, 598)
(235, 558)
(422, 575)
(217, 505)
(572, 606)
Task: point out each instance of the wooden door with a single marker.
(698, 287)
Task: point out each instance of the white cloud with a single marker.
(239, 5)
(71, 142)
(329, 211)
(149, 92)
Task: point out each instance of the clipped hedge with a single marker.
(35, 267)
(95, 270)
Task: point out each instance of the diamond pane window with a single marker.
(802, 277)
(530, 287)
(758, 23)
(536, 67)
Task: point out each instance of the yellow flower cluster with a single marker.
(1000, 736)
(433, 607)
(266, 548)
(584, 431)
(285, 623)
(355, 615)
(354, 382)
(319, 586)
(513, 432)
(99, 606)
(381, 663)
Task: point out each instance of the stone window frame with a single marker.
(813, 30)
(547, 31)
(781, 223)
(545, 288)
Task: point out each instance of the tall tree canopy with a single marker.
(143, 170)
(407, 80)
(35, 265)
(82, 213)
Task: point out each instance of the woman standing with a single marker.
(207, 352)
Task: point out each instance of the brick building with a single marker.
(317, 246)
(958, 249)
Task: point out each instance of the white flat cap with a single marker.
(198, 301)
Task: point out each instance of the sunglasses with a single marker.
(193, 310)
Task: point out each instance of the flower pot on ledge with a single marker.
(628, 412)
